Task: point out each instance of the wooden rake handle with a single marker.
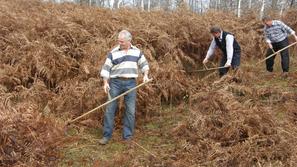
(277, 52)
(209, 69)
(91, 111)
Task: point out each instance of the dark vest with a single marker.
(222, 44)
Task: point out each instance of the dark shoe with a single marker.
(103, 141)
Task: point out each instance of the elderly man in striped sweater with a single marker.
(276, 35)
(119, 75)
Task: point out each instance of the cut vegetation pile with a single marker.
(50, 57)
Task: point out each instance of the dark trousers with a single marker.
(234, 63)
(284, 56)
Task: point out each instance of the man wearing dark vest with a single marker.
(228, 45)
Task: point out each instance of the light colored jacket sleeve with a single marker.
(211, 49)
(229, 48)
(106, 68)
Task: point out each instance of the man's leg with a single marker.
(114, 91)
(285, 60)
(223, 71)
(270, 61)
(129, 116)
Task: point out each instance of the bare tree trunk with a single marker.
(109, 4)
(292, 3)
(159, 4)
(102, 3)
(190, 4)
(119, 3)
(201, 6)
(142, 5)
(250, 4)
(208, 5)
(114, 4)
(262, 9)
(274, 4)
(149, 5)
(238, 8)
(282, 4)
(232, 7)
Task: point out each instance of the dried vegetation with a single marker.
(51, 54)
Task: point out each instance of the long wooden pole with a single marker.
(208, 69)
(277, 52)
(145, 149)
(128, 91)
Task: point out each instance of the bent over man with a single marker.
(228, 45)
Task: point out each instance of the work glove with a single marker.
(205, 61)
(145, 78)
(106, 87)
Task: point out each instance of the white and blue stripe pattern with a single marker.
(277, 32)
(124, 64)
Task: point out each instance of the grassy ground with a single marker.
(153, 138)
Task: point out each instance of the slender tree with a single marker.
(238, 8)
(292, 3)
(262, 9)
(250, 4)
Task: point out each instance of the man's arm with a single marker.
(229, 48)
(144, 66)
(287, 29)
(268, 41)
(211, 49)
(105, 72)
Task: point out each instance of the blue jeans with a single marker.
(117, 87)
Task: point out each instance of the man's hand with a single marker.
(296, 38)
(228, 64)
(145, 78)
(270, 46)
(205, 61)
(106, 86)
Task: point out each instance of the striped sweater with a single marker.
(124, 64)
(277, 32)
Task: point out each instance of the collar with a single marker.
(119, 48)
(273, 24)
(221, 36)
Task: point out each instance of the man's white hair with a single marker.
(126, 35)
